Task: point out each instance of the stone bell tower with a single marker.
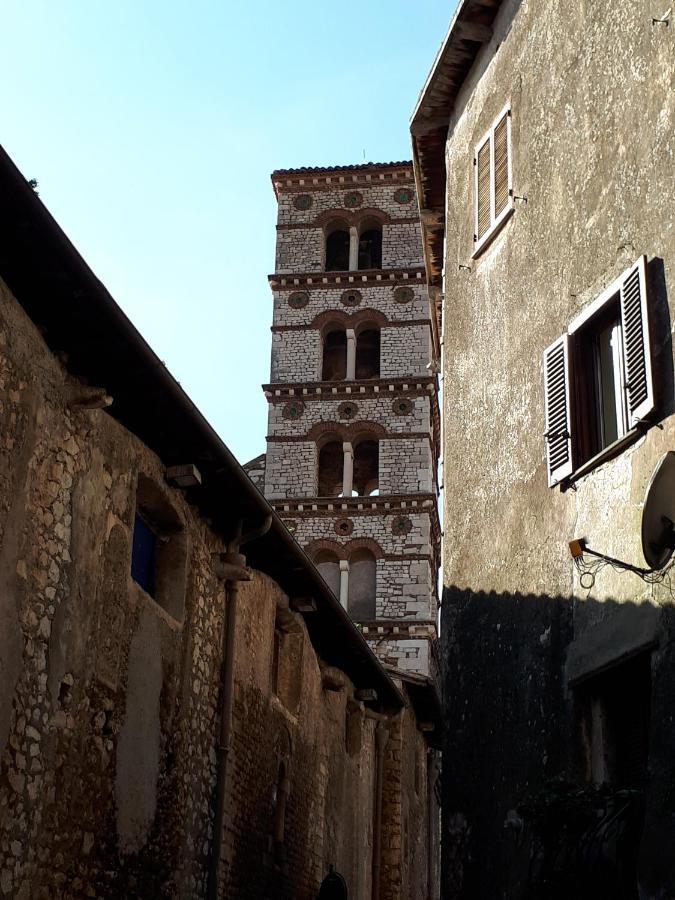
(352, 441)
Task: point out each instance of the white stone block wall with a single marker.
(291, 470)
(379, 409)
(379, 195)
(380, 297)
(296, 356)
(300, 250)
(401, 245)
(410, 654)
(404, 351)
(405, 466)
(404, 589)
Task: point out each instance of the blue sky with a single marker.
(152, 128)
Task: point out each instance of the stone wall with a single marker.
(108, 700)
(291, 469)
(593, 119)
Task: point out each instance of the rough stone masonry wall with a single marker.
(296, 356)
(405, 351)
(108, 703)
(593, 128)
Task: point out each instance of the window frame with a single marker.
(574, 371)
(496, 222)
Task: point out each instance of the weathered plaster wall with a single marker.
(590, 89)
(109, 704)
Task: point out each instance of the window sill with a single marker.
(494, 230)
(173, 623)
(604, 456)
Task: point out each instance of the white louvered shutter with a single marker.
(557, 411)
(501, 166)
(639, 386)
(483, 202)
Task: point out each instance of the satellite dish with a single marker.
(658, 514)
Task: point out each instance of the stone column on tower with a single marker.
(352, 443)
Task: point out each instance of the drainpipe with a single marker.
(231, 566)
(381, 738)
(432, 777)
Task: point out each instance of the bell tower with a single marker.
(353, 426)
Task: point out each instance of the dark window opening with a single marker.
(329, 568)
(331, 466)
(616, 724)
(370, 249)
(601, 408)
(159, 548)
(362, 586)
(368, 354)
(334, 367)
(337, 251)
(144, 555)
(366, 469)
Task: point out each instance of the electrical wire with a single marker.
(590, 564)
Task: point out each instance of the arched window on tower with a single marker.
(370, 245)
(329, 568)
(337, 247)
(362, 586)
(366, 468)
(334, 365)
(368, 352)
(331, 467)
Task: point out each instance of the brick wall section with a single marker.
(401, 245)
(405, 466)
(296, 356)
(291, 470)
(405, 351)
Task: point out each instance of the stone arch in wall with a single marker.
(330, 464)
(336, 245)
(370, 243)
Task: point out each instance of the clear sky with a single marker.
(152, 127)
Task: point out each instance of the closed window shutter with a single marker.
(501, 144)
(636, 344)
(557, 415)
(483, 190)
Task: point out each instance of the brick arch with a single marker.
(316, 546)
(344, 551)
(349, 320)
(351, 216)
(347, 432)
(363, 543)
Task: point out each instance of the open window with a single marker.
(370, 245)
(334, 363)
(337, 247)
(362, 586)
(159, 548)
(368, 352)
(366, 468)
(493, 189)
(598, 379)
(331, 468)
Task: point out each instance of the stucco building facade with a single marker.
(353, 425)
(543, 146)
(185, 708)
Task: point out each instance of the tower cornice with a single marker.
(319, 280)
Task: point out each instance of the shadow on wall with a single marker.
(559, 755)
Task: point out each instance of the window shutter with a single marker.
(557, 411)
(483, 190)
(636, 344)
(501, 143)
